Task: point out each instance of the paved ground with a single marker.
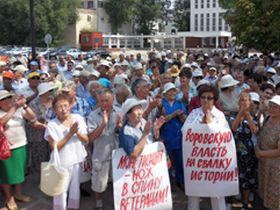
(43, 202)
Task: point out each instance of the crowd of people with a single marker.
(88, 108)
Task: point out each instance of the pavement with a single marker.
(42, 202)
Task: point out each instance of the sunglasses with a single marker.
(33, 78)
(3, 99)
(208, 98)
(44, 79)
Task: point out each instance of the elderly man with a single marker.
(102, 125)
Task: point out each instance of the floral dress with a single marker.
(246, 158)
(269, 169)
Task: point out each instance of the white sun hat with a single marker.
(4, 94)
(228, 81)
(95, 73)
(104, 63)
(76, 73)
(197, 73)
(202, 82)
(271, 70)
(276, 100)
(255, 97)
(137, 66)
(46, 87)
(168, 86)
(20, 68)
(130, 103)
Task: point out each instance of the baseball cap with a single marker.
(8, 74)
(33, 74)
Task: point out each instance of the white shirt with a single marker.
(73, 151)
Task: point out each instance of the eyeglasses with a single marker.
(208, 98)
(44, 79)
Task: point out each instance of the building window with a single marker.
(214, 22)
(201, 22)
(100, 3)
(90, 4)
(207, 22)
(196, 22)
(202, 4)
(196, 4)
(208, 3)
(226, 27)
(88, 18)
(220, 21)
(214, 3)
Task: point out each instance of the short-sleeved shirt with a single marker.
(171, 130)
(73, 151)
(107, 141)
(81, 107)
(129, 136)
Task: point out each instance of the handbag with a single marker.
(53, 176)
(5, 151)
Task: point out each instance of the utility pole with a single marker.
(32, 20)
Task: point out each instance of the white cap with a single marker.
(85, 73)
(79, 66)
(95, 73)
(187, 65)
(46, 87)
(212, 68)
(228, 81)
(168, 86)
(130, 103)
(197, 73)
(120, 79)
(20, 68)
(124, 63)
(163, 54)
(271, 70)
(137, 66)
(104, 63)
(276, 100)
(255, 97)
(202, 82)
(76, 73)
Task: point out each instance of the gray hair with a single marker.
(91, 83)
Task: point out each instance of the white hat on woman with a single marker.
(255, 97)
(228, 81)
(4, 94)
(168, 86)
(130, 103)
(46, 87)
(276, 100)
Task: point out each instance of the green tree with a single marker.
(119, 12)
(255, 23)
(146, 13)
(51, 16)
(181, 15)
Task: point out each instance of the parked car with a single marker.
(101, 53)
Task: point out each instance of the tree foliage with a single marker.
(182, 15)
(119, 12)
(146, 12)
(51, 16)
(255, 23)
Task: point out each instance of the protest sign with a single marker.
(210, 165)
(141, 183)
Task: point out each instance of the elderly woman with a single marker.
(38, 148)
(244, 125)
(69, 133)
(207, 114)
(268, 152)
(12, 171)
(229, 98)
(136, 131)
(93, 87)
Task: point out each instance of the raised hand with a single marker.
(147, 128)
(74, 128)
(105, 117)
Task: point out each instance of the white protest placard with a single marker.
(142, 183)
(210, 165)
